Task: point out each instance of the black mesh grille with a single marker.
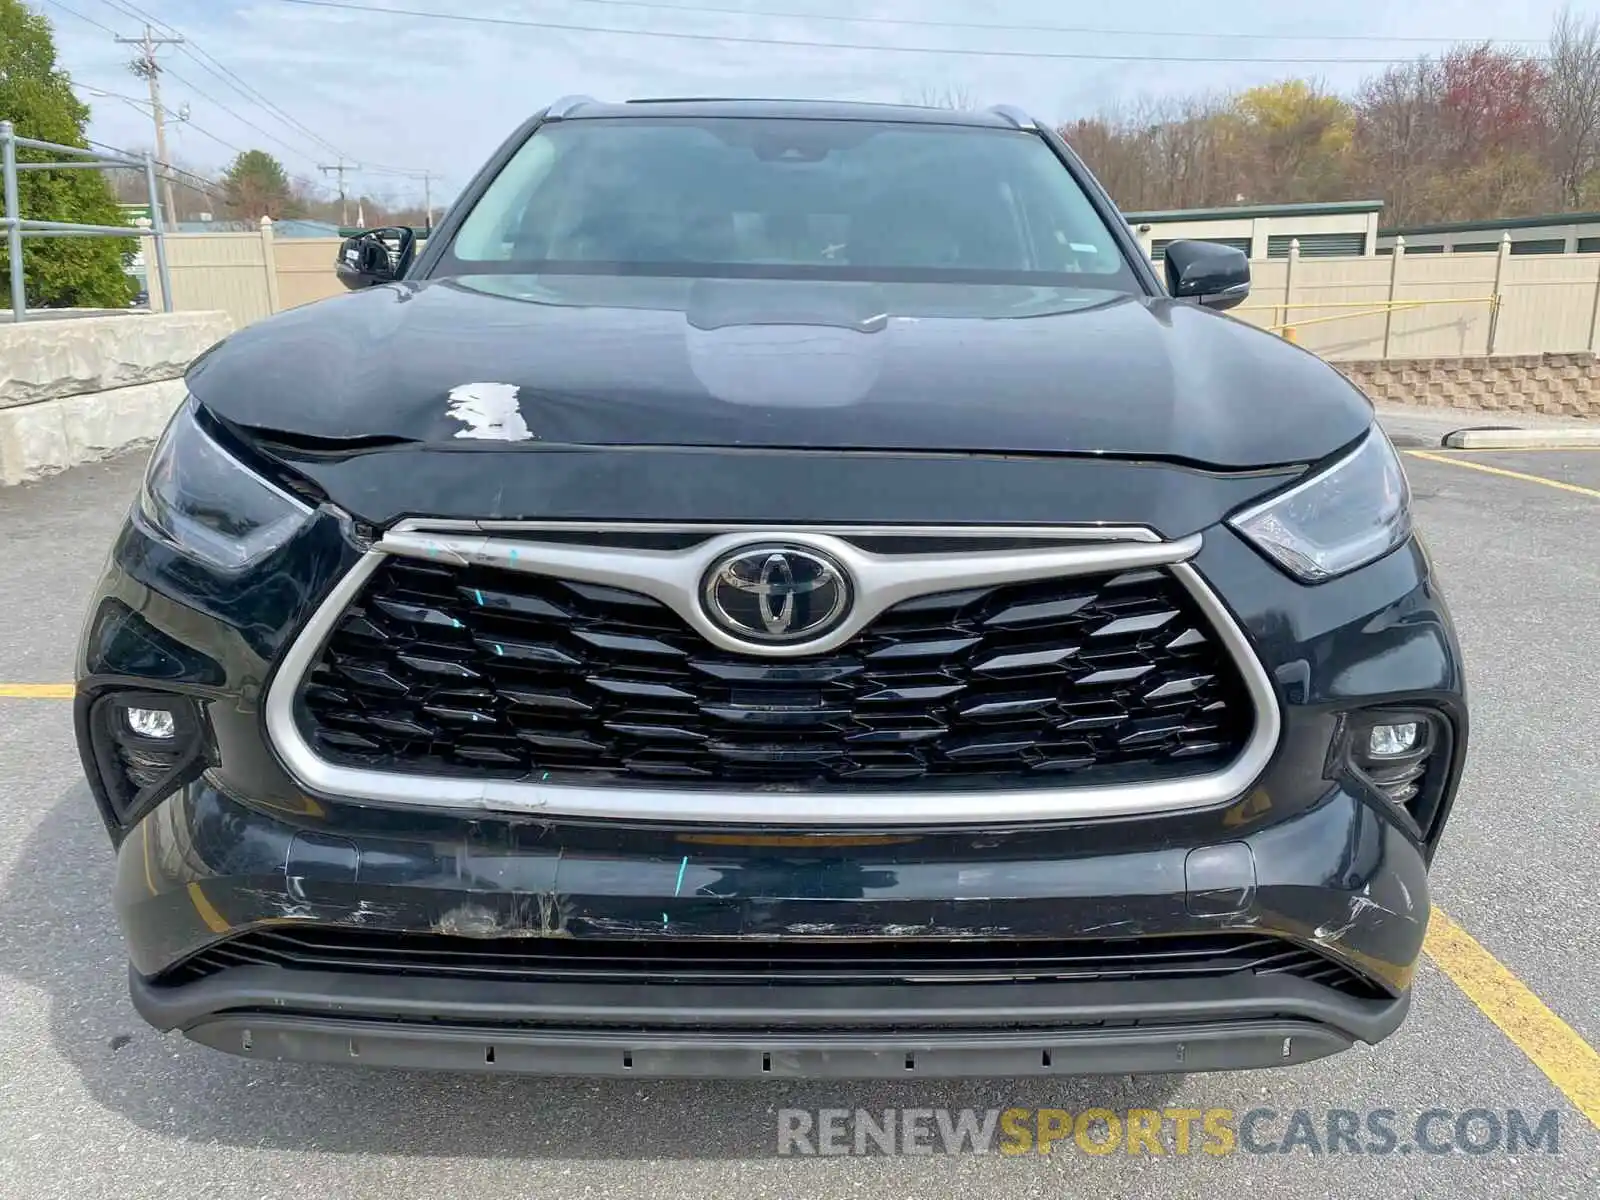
(444, 669)
(864, 961)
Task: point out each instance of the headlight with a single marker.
(1342, 518)
(205, 503)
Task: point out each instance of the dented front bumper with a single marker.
(205, 873)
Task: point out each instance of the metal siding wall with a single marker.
(1540, 246)
(1159, 246)
(1318, 245)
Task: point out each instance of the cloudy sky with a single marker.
(397, 88)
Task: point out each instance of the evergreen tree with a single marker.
(37, 97)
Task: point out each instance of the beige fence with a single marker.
(1430, 306)
(1404, 306)
(247, 275)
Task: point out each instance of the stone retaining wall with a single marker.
(75, 390)
(1561, 385)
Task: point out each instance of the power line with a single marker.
(199, 182)
(293, 149)
(733, 39)
(217, 70)
(929, 23)
(344, 199)
(133, 14)
(209, 99)
(124, 9)
(142, 105)
(110, 95)
(209, 63)
(213, 66)
(72, 12)
(203, 132)
(148, 69)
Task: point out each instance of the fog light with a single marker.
(1389, 741)
(145, 746)
(159, 724)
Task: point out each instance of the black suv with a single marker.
(773, 588)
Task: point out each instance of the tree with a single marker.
(193, 193)
(1491, 103)
(37, 97)
(1460, 137)
(1572, 99)
(957, 97)
(1174, 153)
(1299, 137)
(1478, 132)
(1395, 152)
(257, 186)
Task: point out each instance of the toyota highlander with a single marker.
(773, 588)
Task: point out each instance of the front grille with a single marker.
(454, 670)
(769, 962)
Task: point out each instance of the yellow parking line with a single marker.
(1554, 1047)
(1485, 467)
(36, 691)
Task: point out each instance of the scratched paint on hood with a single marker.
(490, 411)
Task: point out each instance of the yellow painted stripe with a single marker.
(208, 913)
(1555, 1048)
(36, 691)
(144, 840)
(1487, 469)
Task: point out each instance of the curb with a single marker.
(1523, 439)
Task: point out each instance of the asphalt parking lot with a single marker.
(93, 1103)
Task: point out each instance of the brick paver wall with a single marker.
(1565, 385)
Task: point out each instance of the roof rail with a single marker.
(566, 106)
(1015, 115)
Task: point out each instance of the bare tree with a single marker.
(1396, 137)
(1572, 101)
(955, 96)
(1167, 153)
(1474, 132)
(193, 193)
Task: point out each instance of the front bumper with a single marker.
(1337, 880)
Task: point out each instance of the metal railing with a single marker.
(16, 227)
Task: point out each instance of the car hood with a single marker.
(542, 362)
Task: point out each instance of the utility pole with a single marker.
(344, 202)
(427, 202)
(146, 67)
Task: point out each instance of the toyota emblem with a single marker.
(776, 594)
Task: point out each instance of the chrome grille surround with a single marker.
(672, 576)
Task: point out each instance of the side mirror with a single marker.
(375, 256)
(1207, 273)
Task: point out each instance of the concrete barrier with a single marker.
(78, 389)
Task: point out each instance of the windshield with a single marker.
(762, 198)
